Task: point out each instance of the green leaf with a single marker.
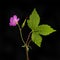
(45, 29)
(34, 20)
(36, 38)
(24, 23)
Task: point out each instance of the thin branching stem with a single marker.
(28, 37)
(21, 33)
(27, 45)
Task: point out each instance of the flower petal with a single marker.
(13, 20)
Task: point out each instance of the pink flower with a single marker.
(13, 20)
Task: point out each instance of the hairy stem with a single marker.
(20, 33)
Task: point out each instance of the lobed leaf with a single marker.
(45, 29)
(36, 38)
(34, 20)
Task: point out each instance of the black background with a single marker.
(10, 42)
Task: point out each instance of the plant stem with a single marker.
(20, 32)
(29, 42)
(27, 46)
(28, 37)
(27, 56)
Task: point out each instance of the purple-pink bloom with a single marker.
(13, 20)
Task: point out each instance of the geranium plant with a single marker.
(36, 30)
